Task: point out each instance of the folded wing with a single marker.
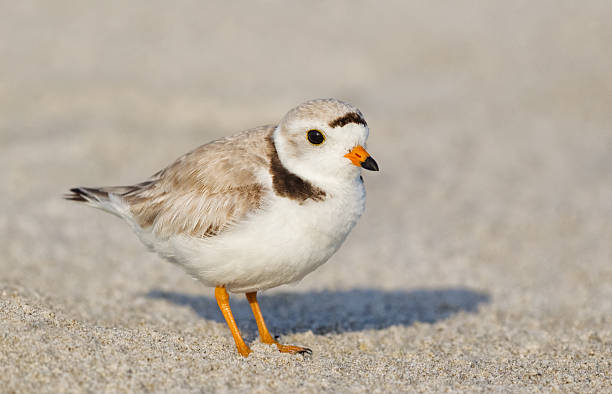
(202, 194)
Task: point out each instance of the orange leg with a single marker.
(223, 301)
(264, 334)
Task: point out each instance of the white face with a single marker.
(322, 162)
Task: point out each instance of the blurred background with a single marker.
(490, 121)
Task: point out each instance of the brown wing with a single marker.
(205, 191)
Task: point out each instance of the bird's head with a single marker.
(324, 141)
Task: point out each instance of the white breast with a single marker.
(277, 245)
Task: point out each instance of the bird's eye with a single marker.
(315, 137)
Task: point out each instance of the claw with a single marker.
(305, 351)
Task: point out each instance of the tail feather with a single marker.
(110, 198)
(75, 195)
(92, 196)
(105, 198)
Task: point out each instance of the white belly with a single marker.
(278, 245)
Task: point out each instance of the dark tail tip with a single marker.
(77, 194)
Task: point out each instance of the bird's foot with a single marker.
(293, 349)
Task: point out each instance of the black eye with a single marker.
(315, 137)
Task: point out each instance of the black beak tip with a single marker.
(370, 164)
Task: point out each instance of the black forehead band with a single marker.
(351, 117)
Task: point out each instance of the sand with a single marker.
(483, 261)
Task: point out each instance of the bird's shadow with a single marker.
(324, 312)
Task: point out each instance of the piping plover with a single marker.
(255, 210)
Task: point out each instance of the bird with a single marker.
(255, 210)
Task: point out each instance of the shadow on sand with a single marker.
(336, 311)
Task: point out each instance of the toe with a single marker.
(293, 349)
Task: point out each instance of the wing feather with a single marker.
(206, 191)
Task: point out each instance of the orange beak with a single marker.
(359, 157)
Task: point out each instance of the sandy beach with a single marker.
(483, 261)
